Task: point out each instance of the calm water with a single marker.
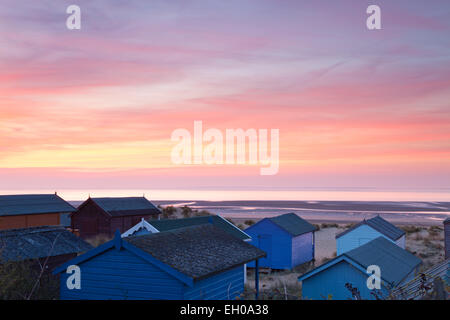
(267, 195)
(403, 207)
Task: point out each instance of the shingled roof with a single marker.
(293, 224)
(198, 251)
(218, 221)
(126, 206)
(33, 204)
(395, 263)
(381, 225)
(39, 242)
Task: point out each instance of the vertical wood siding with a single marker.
(332, 282)
(91, 221)
(302, 249)
(224, 286)
(280, 255)
(121, 275)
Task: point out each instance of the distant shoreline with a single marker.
(341, 212)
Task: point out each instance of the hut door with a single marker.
(265, 244)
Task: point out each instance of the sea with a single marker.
(340, 206)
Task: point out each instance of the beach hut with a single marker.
(366, 231)
(153, 226)
(447, 237)
(48, 246)
(32, 210)
(103, 216)
(336, 278)
(199, 262)
(287, 239)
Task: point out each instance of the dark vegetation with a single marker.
(171, 212)
(27, 280)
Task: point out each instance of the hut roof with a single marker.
(395, 263)
(218, 221)
(197, 251)
(293, 224)
(379, 224)
(126, 206)
(33, 204)
(39, 242)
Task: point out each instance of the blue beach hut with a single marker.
(366, 231)
(199, 262)
(287, 239)
(397, 267)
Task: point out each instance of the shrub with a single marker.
(168, 211)
(410, 229)
(418, 237)
(230, 221)
(329, 225)
(186, 211)
(434, 231)
(23, 281)
(202, 213)
(98, 240)
(249, 222)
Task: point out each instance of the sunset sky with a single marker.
(95, 108)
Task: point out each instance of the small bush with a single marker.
(23, 281)
(411, 229)
(325, 260)
(202, 213)
(168, 211)
(434, 231)
(418, 237)
(98, 240)
(249, 222)
(329, 225)
(186, 211)
(230, 221)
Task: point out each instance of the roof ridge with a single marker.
(28, 230)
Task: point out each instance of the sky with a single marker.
(95, 108)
